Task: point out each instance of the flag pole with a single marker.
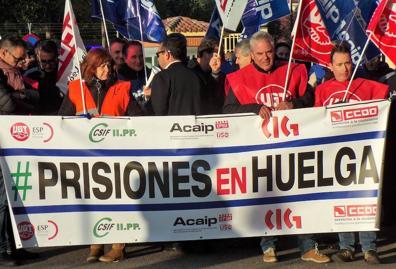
(357, 66)
(221, 40)
(294, 33)
(78, 60)
(104, 24)
(141, 38)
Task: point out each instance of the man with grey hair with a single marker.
(242, 53)
(259, 88)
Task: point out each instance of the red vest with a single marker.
(115, 102)
(250, 86)
(333, 91)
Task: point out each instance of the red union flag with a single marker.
(231, 12)
(382, 28)
(72, 49)
(312, 41)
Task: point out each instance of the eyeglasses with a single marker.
(158, 53)
(16, 59)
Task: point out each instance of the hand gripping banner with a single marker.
(75, 181)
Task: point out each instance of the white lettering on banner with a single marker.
(355, 211)
(264, 7)
(341, 33)
(361, 113)
(331, 10)
(136, 183)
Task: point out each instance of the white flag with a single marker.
(72, 49)
(231, 12)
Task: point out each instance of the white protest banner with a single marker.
(231, 12)
(72, 50)
(76, 181)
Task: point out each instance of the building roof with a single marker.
(185, 25)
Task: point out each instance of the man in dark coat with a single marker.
(208, 68)
(176, 90)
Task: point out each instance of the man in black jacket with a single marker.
(45, 74)
(208, 68)
(176, 90)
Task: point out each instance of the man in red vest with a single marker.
(334, 91)
(259, 88)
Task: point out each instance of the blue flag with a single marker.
(215, 24)
(125, 14)
(347, 21)
(262, 12)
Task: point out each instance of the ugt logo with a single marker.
(275, 126)
(285, 218)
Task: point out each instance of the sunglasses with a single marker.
(158, 53)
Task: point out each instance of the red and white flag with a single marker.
(312, 41)
(382, 28)
(231, 12)
(72, 49)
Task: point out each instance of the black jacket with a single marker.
(176, 91)
(51, 96)
(213, 89)
(14, 102)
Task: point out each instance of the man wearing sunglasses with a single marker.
(14, 99)
(176, 90)
(45, 74)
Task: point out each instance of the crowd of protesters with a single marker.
(114, 84)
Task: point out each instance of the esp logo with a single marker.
(282, 218)
(278, 126)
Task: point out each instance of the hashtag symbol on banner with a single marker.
(19, 177)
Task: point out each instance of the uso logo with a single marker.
(26, 230)
(20, 131)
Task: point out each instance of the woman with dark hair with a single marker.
(102, 97)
